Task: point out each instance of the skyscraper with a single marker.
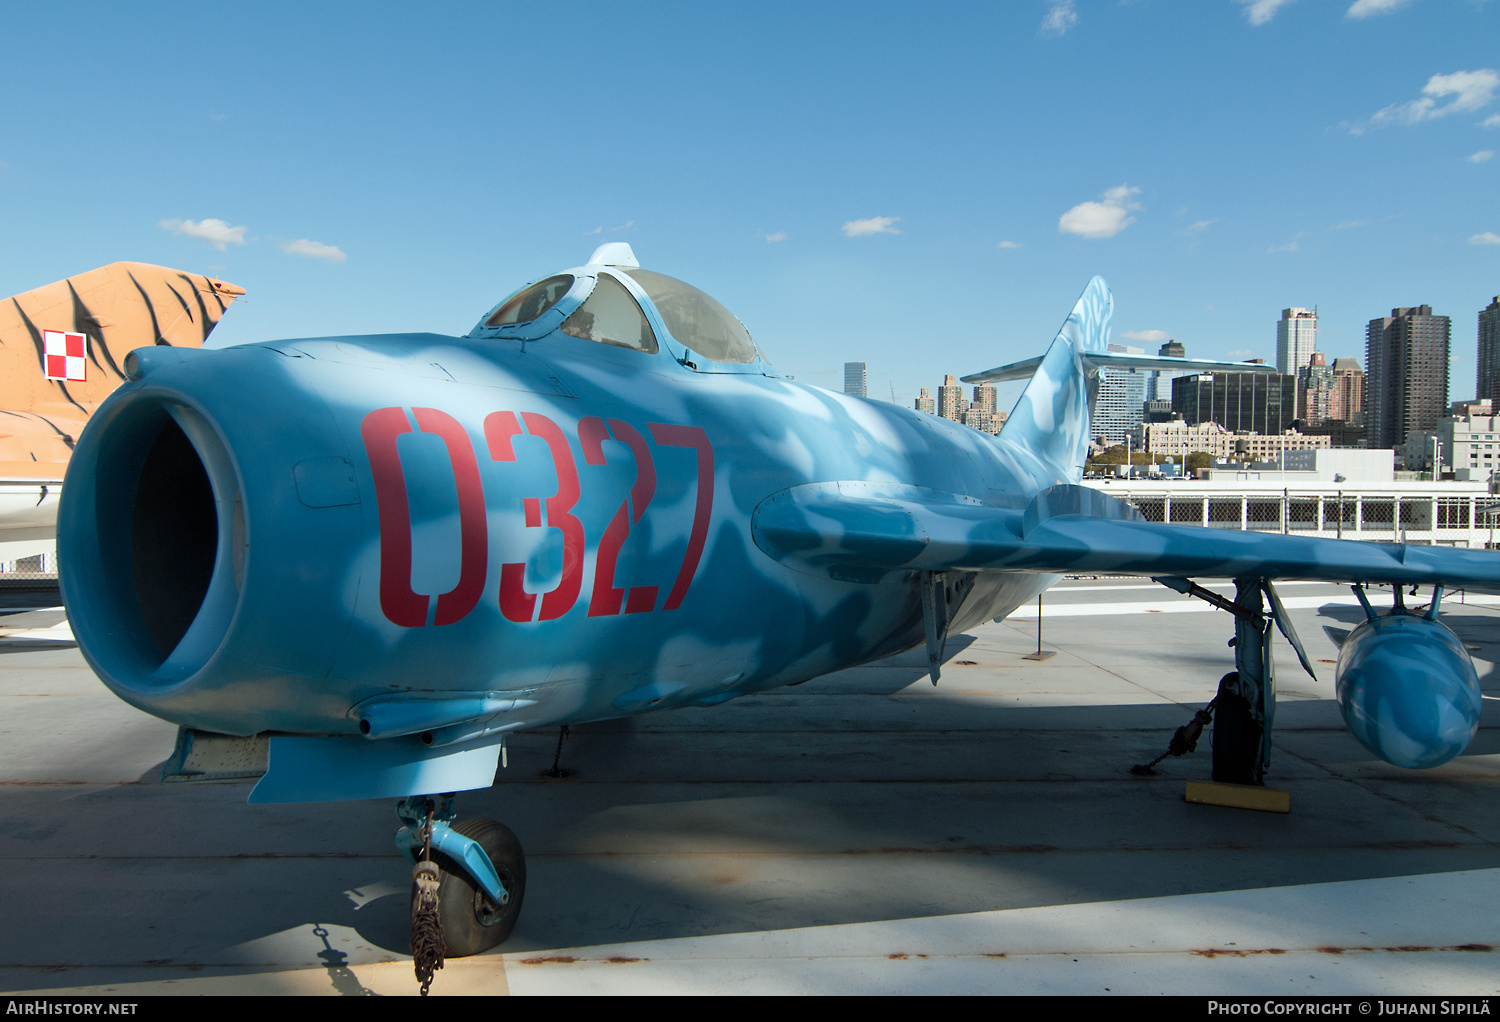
(855, 379)
(1406, 365)
(1296, 339)
(1315, 386)
(1122, 393)
(925, 403)
(1488, 375)
(1348, 401)
(951, 403)
(984, 398)
(1159, 386)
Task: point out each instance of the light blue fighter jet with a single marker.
(379, 555)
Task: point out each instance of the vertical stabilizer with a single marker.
(63, 346)
(1052, 417)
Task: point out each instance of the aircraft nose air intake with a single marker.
(180, 508)
(177, 477)
(158, 541)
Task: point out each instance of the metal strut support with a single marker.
(1252, 660)
(1255, 680)
(464, 851)
(935, 620)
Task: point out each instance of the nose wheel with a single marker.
(468, 882)
(473, 921)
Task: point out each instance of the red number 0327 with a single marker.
(403, 606)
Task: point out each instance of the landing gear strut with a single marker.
(481, 872)
(1247, 696)
(1245, 707)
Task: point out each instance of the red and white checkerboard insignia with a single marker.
(66, 355)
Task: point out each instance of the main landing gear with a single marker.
(480, 881)
(1244, 709)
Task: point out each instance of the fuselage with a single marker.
(272, 536)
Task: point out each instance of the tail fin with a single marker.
(115, 308)
(1052, 417)
(63, 345)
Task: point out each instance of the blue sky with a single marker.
(924, 188)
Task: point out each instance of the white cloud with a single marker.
(1146, 335)
(1261, 11)
(1470, 91)
(1011, 244)
(1482, 155)
(1290, 246)
(778, 236)
(874, 225)
(1241, 355)
(1364, 8)
(216, 232)
(1487, 238)
(1349, 225)
(1060, 17)
(313, 250)
(627, 223)
(1201, 225)
(1492, 121)
(1101, 219)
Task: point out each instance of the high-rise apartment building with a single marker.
(1122, 393)
(1296, 339)
(1487, 376)
(925, 402)
(1348, 400)
(984, 398)
(951, 401)
(855, 379)
(984, 420)
(1315, 384)
(1406, 362)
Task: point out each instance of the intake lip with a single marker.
(151, 540)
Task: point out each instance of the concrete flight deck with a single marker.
(862, 833)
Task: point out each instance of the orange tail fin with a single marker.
(86, 324)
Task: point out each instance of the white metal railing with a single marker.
(1457, 520)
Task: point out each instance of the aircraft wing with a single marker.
(867, 531)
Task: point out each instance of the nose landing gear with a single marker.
(481, 872)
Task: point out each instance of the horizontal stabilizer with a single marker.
(1023, 370)
(1123, 360)
(877, 534)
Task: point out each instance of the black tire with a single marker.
(471, 922)
(1236, 737)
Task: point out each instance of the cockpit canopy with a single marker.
(620, 304)
(696, 320)
(530, 302)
